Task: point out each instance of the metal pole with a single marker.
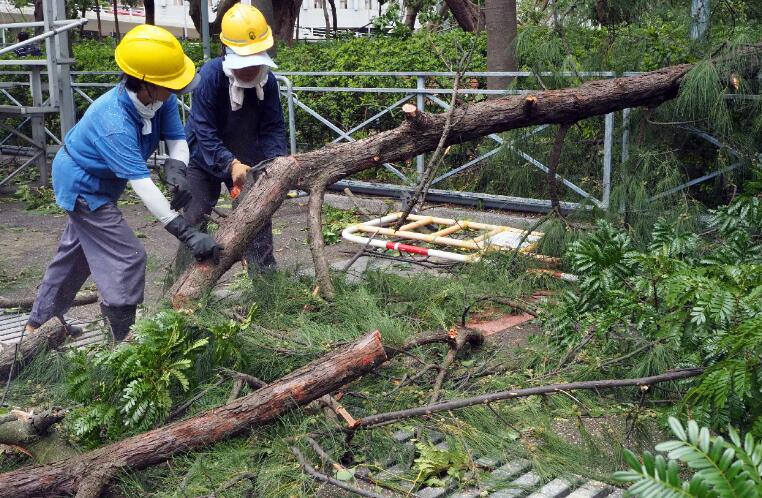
(625, 152)
(44, 36)
(291, 115)
(420, 102)
(50, 52)
(626, 135)
(205, 29)
(608, 142)
(38, 124)
(66, 94)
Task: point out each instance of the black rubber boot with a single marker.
(120, 319)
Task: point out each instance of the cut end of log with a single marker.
(410, 110)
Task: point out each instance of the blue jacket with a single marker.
(217, 135)
(106, 148)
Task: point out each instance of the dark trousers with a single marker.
(94, 242)
(206, 189)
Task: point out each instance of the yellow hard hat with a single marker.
(154, 55)
(245, 30)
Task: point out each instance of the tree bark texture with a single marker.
(300, 387)
(28, 302)
(411, 13)
(116, 21)
(555, 157)
(467, 14)
(285, 13)
(335, 161)
(49, 336)
(501, 41)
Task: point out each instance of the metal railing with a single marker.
(294, 99)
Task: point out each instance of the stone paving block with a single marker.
(488, 463)
(618, 493)
(557, 488)
(466, 493)
(511, 469)
(402, 435)
(591, 489)
(435, 437)
(431, 492)
(392, 473)
(519, 487)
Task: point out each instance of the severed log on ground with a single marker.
(13, 357)
(27, 302)
(87, 474)
(31, 433)
(419, 133)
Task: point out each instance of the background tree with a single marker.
(150, 7)
(501, 40)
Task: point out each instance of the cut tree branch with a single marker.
(385, 418)
(50, 335)
(27, 302)
(298, 388)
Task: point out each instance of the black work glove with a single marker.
(173, 174)
(201, 244)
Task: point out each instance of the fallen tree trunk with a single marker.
(13, 357)
(27, 302)
(88, 473)
(419, 133)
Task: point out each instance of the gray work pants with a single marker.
(206, 190)
(94, 242)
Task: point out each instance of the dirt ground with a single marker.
(28, 241)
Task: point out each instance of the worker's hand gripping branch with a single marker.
(173, 174)
(238, 171)
(202, 245)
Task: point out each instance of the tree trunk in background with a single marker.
(334, 16)
(467, 14)
(116, 22)
(38, 15)
(98, 16)
(85, 5)
(150, 11)
(327, 19)
(285, 13)
(501, 38)
(411, 13)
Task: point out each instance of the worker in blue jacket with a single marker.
(235, 122)
(107, 149)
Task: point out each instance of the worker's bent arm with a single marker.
(154, 200)
(178, 149)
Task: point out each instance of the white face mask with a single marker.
(146, 111)
(237, 86)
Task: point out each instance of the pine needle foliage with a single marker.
(716, 467)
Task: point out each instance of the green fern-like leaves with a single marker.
(719, 468)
